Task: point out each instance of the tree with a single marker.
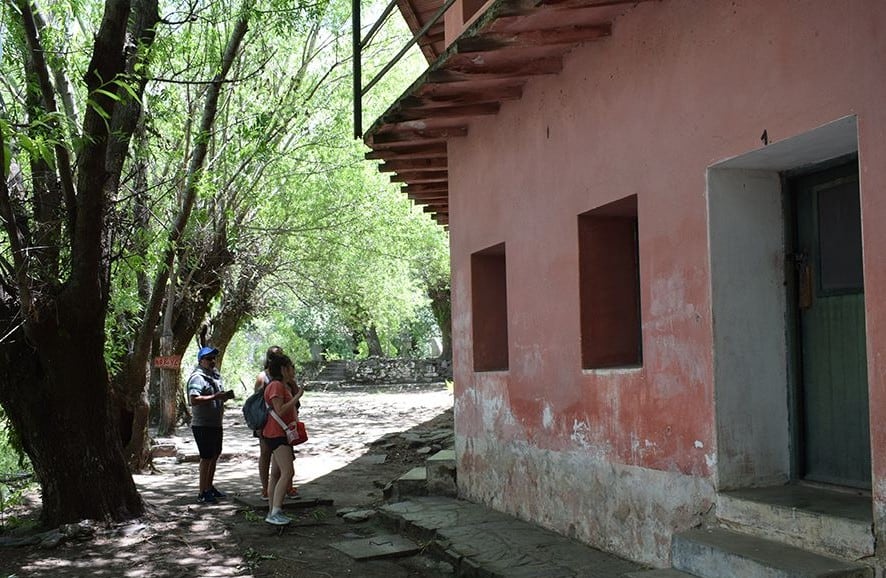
(54, 382)
(165, 188)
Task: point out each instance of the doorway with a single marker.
(774, 422)
(831, 389)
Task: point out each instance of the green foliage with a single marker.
(245, 354)
(253, 558)
(286, 188)
(15, 473)
(12, 456)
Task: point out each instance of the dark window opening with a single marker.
(609, 286)
(489, 306)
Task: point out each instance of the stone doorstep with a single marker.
(721, 553)
(829, 522)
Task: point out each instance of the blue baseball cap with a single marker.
(206, 352)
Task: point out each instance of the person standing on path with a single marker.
(264, 454)
(283, 402)
(207, 398)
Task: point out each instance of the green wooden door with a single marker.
(833, 388)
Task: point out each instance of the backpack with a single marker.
(255, 410)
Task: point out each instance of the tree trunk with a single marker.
(169, 380)
(236, 306)
(61, 411)
(54, 382)
(373, 342)
(132, 402)
(168, 375)
(441, 306)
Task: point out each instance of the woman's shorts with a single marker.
(274, 443)
(209, 441)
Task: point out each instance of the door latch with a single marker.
(804, 279)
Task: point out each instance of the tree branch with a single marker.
(30, 16)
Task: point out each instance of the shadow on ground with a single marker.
(341, 463)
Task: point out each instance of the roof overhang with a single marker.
(490, 63)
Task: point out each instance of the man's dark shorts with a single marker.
(209, 441)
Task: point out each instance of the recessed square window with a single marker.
(489, 306)
(609, 286)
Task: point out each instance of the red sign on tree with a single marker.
(168, 361)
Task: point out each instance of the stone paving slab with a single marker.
(481, 542)
(381, 546)
(667, 573)
(255, 502)
(424, 516)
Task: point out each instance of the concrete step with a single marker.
(831, 522)
(412, 483)
(721, 553)
(441, 474)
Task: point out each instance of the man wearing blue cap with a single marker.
(208, 404)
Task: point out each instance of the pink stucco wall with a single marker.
(680, 85)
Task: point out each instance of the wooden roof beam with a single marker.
(534, 38)
(590, 3)
(425, 188)
(429, 98)
(420, 177)
(417, 152)
(414, 113)
(473, 64)
(529, 7)
(434, 164)
(412, 137)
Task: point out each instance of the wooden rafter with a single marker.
(420, 177)
(512, 42)
(433, 164)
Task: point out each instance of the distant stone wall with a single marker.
(308, 370)
(395, 370)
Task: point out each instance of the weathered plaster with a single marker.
(678, 87)
(624, 509)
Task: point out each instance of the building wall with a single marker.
(621, 458)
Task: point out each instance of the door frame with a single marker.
(747, 240)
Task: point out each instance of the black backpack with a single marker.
(255, 410)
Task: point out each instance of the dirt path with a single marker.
(340, 462)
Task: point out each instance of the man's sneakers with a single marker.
(264, 494)
(207, 497)
(210, 496)
(277, 519)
